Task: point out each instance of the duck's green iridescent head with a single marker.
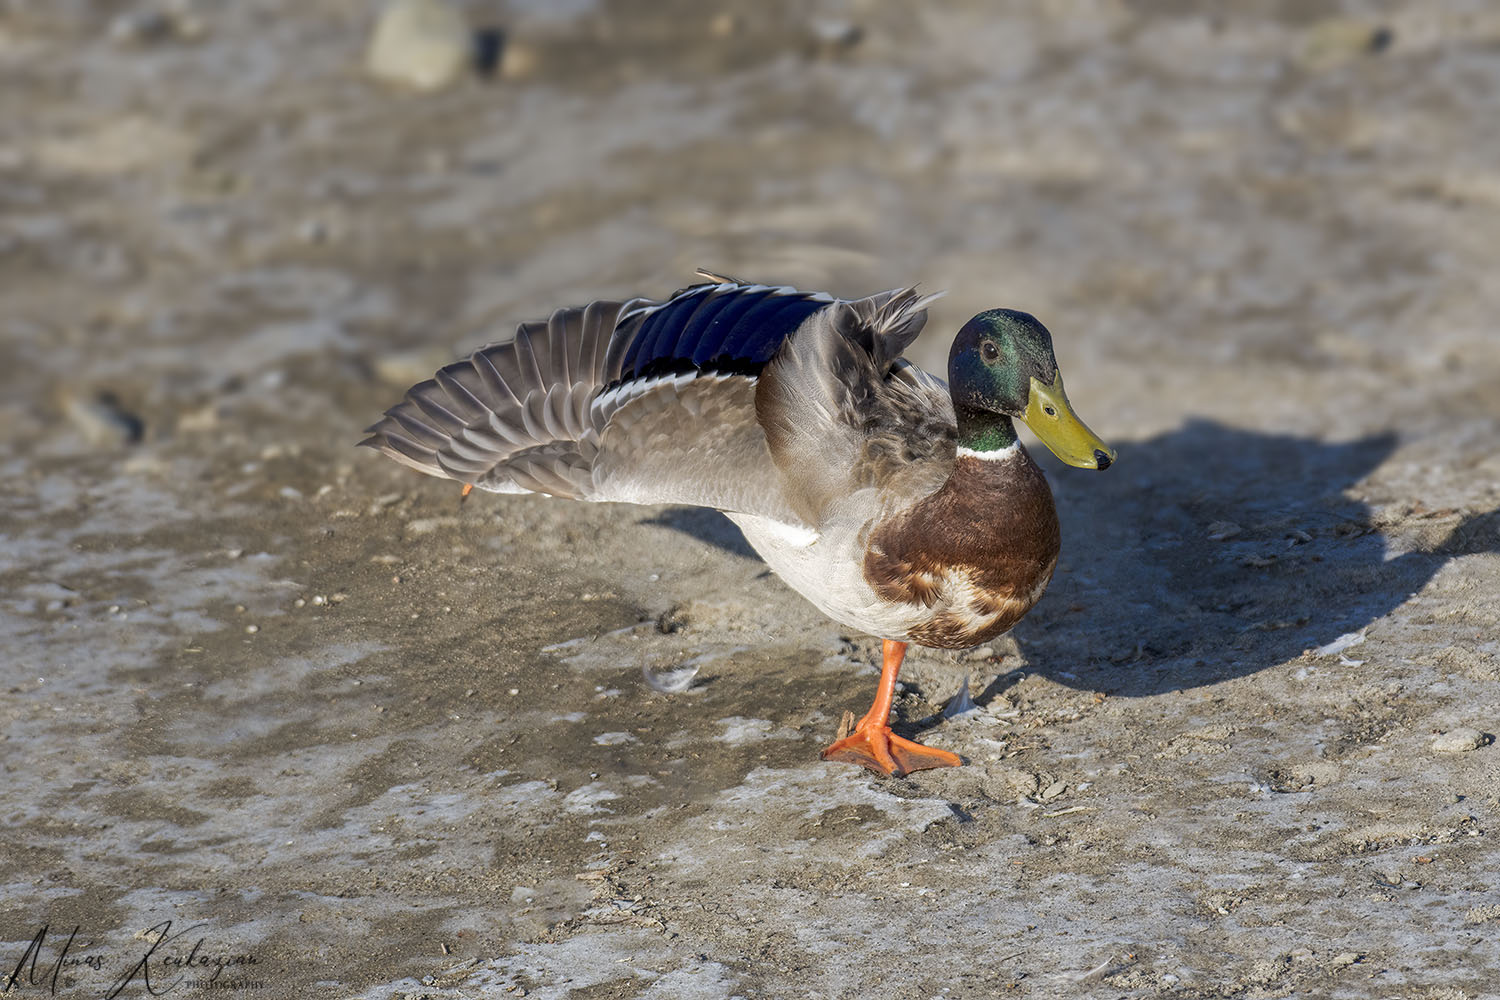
(1002, 367)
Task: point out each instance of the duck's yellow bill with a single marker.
(1051, 418)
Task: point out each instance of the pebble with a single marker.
(1460, 740)
(834, 36)
(725, 25)
(102, 419)
(1334, 41)
(1345, 958)
(1053, 790)
(1221, 530)
(488, 48)
(982, 653)
(427, 525)
(669, 681)
(137, 27)
(314, 231)
(519, 59)
(423, 44)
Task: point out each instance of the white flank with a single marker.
(998, 455)
(798, 536)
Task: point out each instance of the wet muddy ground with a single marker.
(360, 741)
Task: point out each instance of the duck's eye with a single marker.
(989, 351)
(1049, 411)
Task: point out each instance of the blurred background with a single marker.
(1264, 236)
(1215, 210)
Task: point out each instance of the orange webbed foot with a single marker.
(874, 746)
(870, 742)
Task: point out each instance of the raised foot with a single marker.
(879, 749)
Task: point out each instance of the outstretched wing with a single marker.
(513, 417)
(648, 402)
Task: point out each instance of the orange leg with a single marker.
(873, 745)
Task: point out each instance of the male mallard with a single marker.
(899, 505)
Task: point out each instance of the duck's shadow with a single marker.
(1211, 552)
(707, 526)
(1217, 552)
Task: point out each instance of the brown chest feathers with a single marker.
(979, 552)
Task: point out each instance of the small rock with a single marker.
(982, 653)
(313, 230)
(834, 36)
(489, 46)
(1221, 530)
(519, 59)
(669, 681)
(1053, 790)
(139, 27)
(423, 44)
(1335, 41)
(102, 419)
(205, 418)
(724, 25)
(427, 525)
(1460, 740)
(1344, 959)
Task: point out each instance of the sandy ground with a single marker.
(353, 740)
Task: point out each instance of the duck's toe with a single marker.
(882, 751)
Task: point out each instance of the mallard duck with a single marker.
(899, 505)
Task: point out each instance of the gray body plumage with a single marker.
(791, 412)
